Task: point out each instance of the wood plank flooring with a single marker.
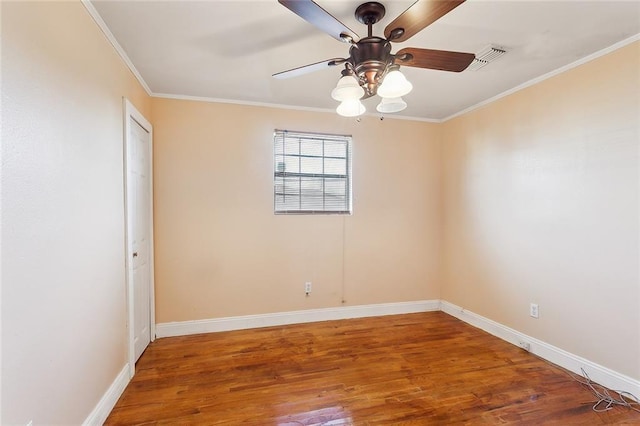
(416, 369)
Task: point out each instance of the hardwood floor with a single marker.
(427, 368)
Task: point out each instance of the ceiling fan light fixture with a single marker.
(391, 105)
(394, 85)
(351, 108)
(347, 89)
(371, 69)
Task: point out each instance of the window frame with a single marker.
(282, 174)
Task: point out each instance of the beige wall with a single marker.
(220, 250)
(533, 198)
(541, 205)
(63, 288)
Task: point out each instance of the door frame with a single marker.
(131, 113)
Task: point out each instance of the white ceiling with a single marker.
(228, 50)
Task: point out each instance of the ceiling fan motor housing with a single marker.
(370, 58)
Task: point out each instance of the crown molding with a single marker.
(109, 35)
(546, 76)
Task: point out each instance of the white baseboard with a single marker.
(109, 399)
(571, 362)
(183, 328)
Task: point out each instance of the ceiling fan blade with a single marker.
(305, 69)
(419, 15)
(442, 60)
(311, 12)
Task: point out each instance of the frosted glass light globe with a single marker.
(390, 105)
(351, 108)
(394, 85)
(347, 89)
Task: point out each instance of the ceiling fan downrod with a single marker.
(370, 13)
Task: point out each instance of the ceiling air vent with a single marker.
(486, 55)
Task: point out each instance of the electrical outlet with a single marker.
(307, 287)
(533, 310)
(525, 345)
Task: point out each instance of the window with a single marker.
(311, 173)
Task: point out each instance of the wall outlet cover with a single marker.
(533, 310)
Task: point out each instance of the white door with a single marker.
(140, 197)
(139, 231)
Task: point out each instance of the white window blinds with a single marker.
(312, 173)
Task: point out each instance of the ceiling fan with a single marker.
(371, 68)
